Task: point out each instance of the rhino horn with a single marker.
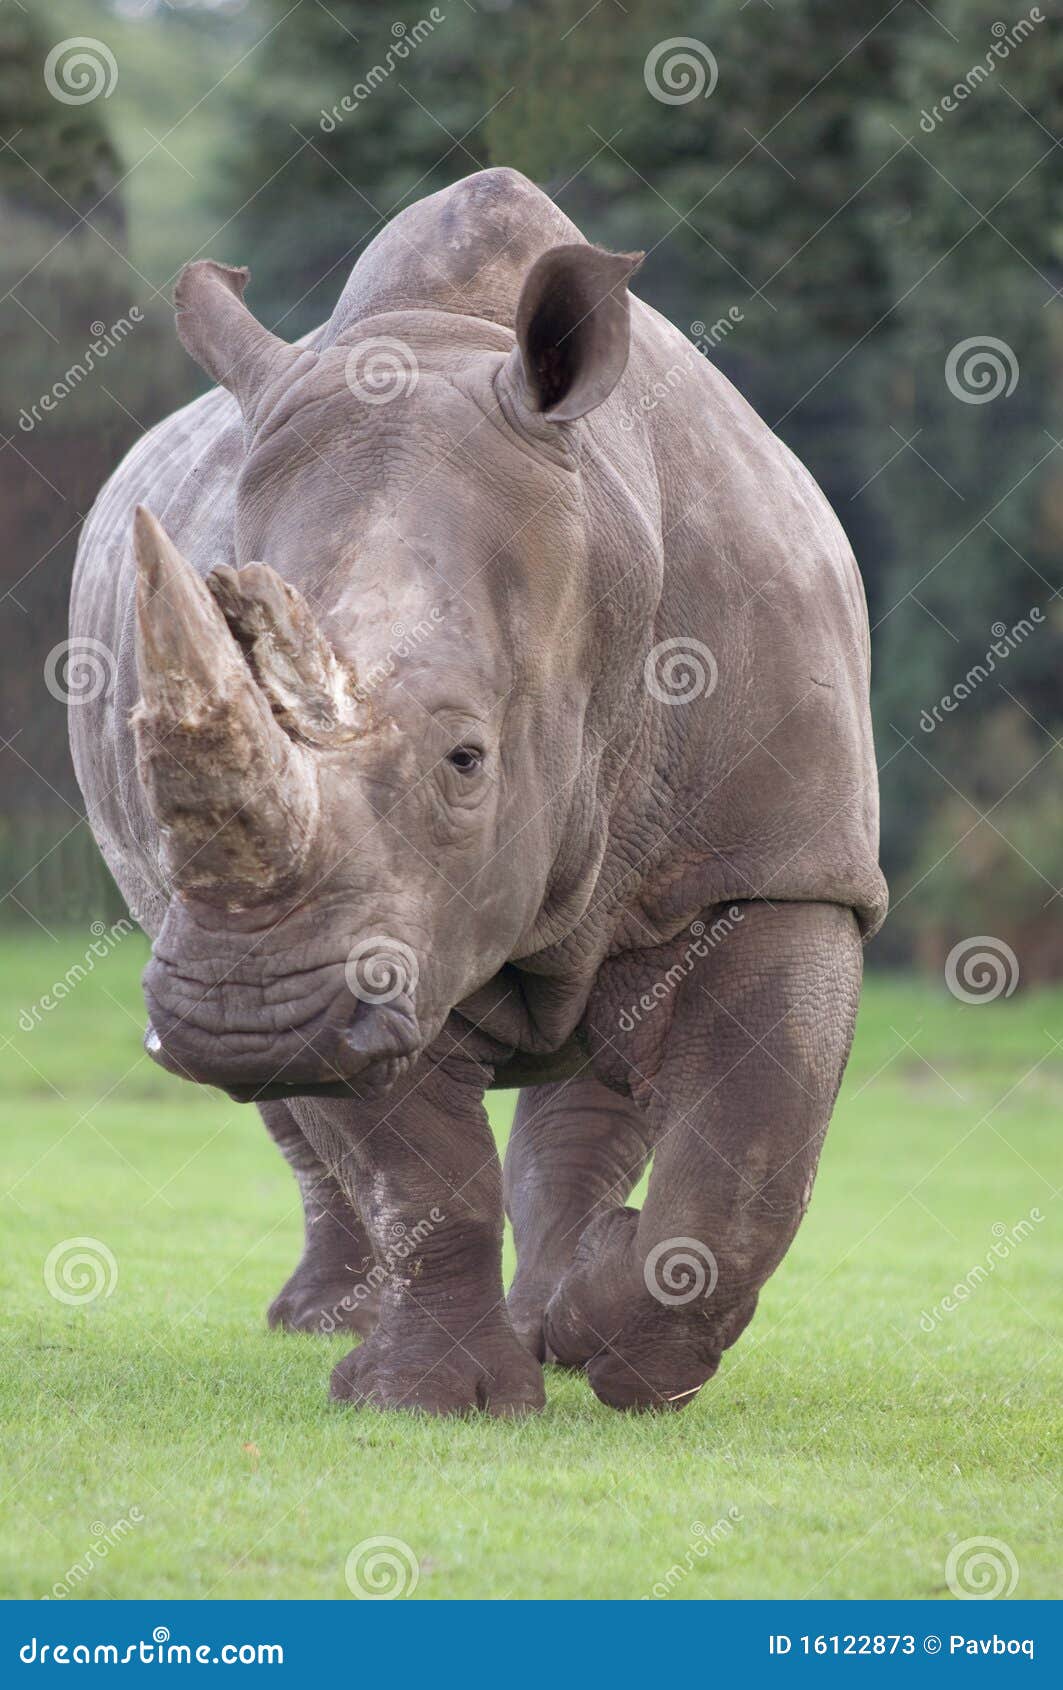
(313, 691)
(229, 343)
(236, 800)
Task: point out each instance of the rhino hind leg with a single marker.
(575, 1152)
(329, 1290)
(740, 1101)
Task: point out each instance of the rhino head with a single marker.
(366, 745)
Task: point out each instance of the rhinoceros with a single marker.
(490, 708)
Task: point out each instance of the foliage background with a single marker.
(806, 192)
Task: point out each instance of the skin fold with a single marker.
(488, 707)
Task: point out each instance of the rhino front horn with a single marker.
(235, 798)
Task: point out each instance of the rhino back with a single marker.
(465, 249)
(769, 772)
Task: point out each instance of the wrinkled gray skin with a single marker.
(505, 812)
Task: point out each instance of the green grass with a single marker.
(847, 1448)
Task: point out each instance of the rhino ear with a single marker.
(573, 330)
(230, 344)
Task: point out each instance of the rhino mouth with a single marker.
(376, 1076)
(258, 1051)
(305, 1074)
(275, 1091)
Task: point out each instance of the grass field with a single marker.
(163, 1439)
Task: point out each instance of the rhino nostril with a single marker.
(375, 1034)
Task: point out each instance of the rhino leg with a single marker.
(740, 1100)
(329, 1290)
(575, 1152)
(423, 1159)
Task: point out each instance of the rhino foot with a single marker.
(442, 1375)
(309, 1304)
(637, 1354)
(527, 1306)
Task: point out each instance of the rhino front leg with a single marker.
(575, 1152)
(740, 1100)
(423, 1160)
(332, 1289)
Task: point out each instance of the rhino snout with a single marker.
(255, 1052)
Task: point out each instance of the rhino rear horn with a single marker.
(229, 343)
(573, 330)
(235, 799)
(313, 692)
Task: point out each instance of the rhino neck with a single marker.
(531, 1013)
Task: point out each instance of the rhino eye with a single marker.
(465, 758)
